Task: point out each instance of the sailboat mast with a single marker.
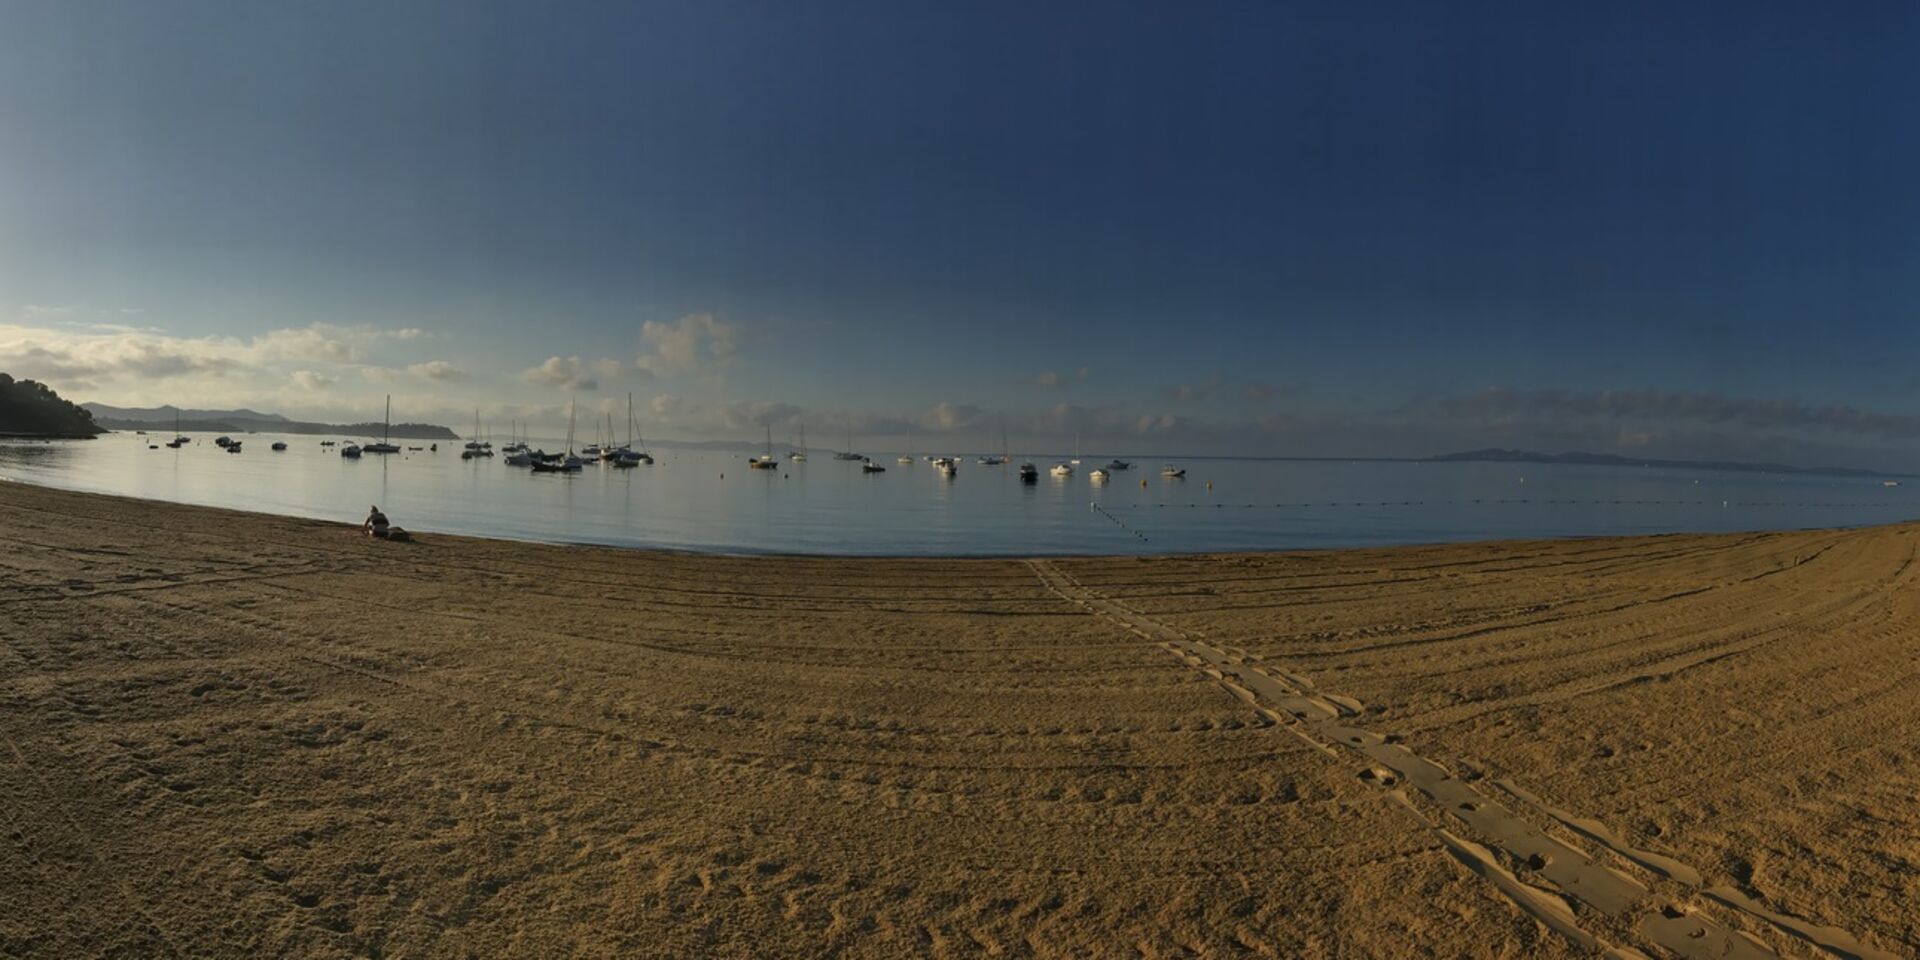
(386, 426)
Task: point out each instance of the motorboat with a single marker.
(1029, 473)
(223, 441)
(233, 446)
(1061, 470)
(1119, 465)
(328, 443)
(947, 466)
(351, 451)
(1099, 475)
(279, 446)
(868, 466)
(1171, 471)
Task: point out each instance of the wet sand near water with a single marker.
(231, 734)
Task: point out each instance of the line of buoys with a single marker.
(1094, 505)
(1815, 504)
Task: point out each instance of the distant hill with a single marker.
(161, 419)
(1495, 454)
(31, 409)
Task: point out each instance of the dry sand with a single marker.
(225, 734)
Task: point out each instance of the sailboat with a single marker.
(475, 447)
(179, 439)
(800, 455)
(386, 427)
(847, 453)
(993, 461)
(907, 458)
(568, 463)
(627, 456)
(766, 461)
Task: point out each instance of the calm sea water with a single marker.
(708, 500)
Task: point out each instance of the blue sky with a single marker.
(1282, 229)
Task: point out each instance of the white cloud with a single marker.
(310, 380)
(565, 373)
(698, 344)
(439, 371)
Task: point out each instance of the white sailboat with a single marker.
(766, 461)
(800, 455)
(907, 458)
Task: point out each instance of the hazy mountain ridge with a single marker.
(1496, 454)
(240, 421)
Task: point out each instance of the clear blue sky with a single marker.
(1312, 228)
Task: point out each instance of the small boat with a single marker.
(800, 455)
(279, 446)
(993, 460)
(1098, 475)
(386, 427)
(141, 433)
(1171, 471)
(627, 457)
(1061, 470)
(766, 461)
(223, 441)
(476, 448)
(566, 464)
(153, 446)
(848, 454)
(350, 451)
(561, 463)
(327, 443)
(1119, 465)
(868, 466)
(233, 446)
(1889, 483)
(947, 466)
(1029, 473)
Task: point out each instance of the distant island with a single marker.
(1497, 455)
(241, 421)
(31, 409)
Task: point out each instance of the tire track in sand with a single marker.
(1555, 871)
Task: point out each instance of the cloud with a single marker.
(1192, 392)
(697, 344)
(310, 380)
(565, 373)
(1509, 404)
(666, 405)
(759, 413)
(439, 371)
(1053, 379)
(1262, 392)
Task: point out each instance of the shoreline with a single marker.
(240, 734)
(748, 553)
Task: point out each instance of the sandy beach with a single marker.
(231, 734)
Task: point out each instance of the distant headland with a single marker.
(243, 420)
(31, 409)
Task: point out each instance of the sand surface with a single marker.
(226, 734)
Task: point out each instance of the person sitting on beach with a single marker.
(376, 523)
